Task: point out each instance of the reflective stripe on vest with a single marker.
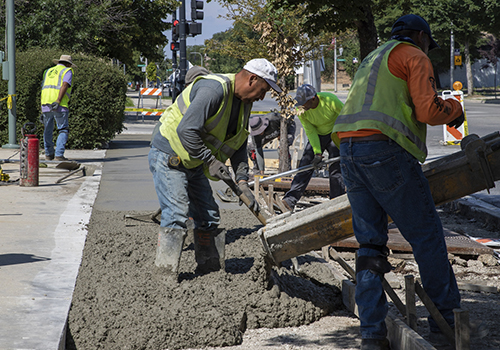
(212, 124)
(366, 114)
(213, 133)
(50, 90)
(213, 121)
(218, 144)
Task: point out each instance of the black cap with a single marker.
(414, 22)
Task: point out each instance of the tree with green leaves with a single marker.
(151, 72)
(221, 49)
(112, 28)
(491, 52)
(443, 17)
(263, 31)
(335, 17)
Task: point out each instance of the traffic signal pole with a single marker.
(182, 42)
(175, 35)
(180, 30)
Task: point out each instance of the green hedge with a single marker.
(97, 101)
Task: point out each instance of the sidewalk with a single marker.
(43, 235)
(44, 230)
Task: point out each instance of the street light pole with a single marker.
(452, 58)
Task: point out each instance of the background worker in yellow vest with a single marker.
(320, 110)
(382, 131)
(206, 125)
(56, 92)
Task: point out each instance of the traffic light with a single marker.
(175, 30)
(193, 28)
(195, 6)
(174, 45)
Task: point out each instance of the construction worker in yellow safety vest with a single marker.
(56, 92)
(205, 126)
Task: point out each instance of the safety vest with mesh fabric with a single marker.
(52, 83)
(379, 100)
(215, 129)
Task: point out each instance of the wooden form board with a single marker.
(456, 243)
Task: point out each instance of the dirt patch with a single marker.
(121, 301)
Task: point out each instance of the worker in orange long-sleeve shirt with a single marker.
(382, 131)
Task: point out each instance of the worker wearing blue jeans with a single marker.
(382, 130)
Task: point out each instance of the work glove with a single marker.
(455, 123)
(218, 170)
(254, 206)
(317, 162)
(54, 106)
(253, 156)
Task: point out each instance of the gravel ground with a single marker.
(121, 300)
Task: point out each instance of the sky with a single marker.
(210, 24)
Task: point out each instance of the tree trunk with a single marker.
(367, 32)
(284, 164)
(284, 160)
(468, 67)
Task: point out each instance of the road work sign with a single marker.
(453, 136)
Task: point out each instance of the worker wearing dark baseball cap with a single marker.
(414, 22)
(382, 130)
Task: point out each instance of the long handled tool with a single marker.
(294, 171)
(227, 197)
(68, 165)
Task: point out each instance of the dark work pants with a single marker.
(301, 180)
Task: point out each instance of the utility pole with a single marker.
(452, 56)
(335, 64)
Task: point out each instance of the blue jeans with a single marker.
(61, 119)
(182, 193)
(383, 179)
(301, 180)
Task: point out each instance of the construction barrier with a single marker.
(128, 109)
(150, 92)
(152, 113)
(453, 136)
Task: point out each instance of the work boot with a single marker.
(49, 157)
(61, 158)
(287, 205)
(209, 249)
(375, 344)
(169, 249)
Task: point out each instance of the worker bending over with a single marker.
(320, 110)
(207, 124)
(264, 129)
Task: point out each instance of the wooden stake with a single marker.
(411, 313)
